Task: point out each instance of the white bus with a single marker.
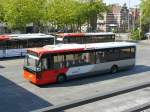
(56, 63)
(16, 44)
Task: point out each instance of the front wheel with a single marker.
(114, 69)
(61, 78)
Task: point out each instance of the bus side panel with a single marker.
(121, 65)
(12, 52)
(101, 67)
(30, 76)
(2, 53)
(80, 70)
(51, 75)
(15, 52)
(46, 77)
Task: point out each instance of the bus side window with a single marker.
(44, 63)
(58, 61)
(81, 58)
(86, 58)
(113, 37)
(91, 57)
(132, 52)
(65, 40)
(125, 53)
(2, 45)
(78, 59)
(69, 60)
(109, 55)
(55, 62)
(99, 57)
(115, 55)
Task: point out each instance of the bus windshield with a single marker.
(32, 63)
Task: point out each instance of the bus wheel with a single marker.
(61, 78)
(114, 69)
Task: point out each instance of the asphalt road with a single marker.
(19, 95)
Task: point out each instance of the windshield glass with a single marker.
(32, 63)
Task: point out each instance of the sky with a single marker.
(130, 3)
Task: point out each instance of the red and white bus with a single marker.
(58, 63)
(17, 44)
(82, 38)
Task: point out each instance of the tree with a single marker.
(2, 10)
(94, 9)
(74, 13)
(62, 12)
(145, 9)
(70, 14)
(18, 13)
(135, 34)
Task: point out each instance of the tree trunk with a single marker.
(93, 22)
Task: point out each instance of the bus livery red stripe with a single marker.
(4, 37)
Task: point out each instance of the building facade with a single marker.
(116, 19)
(134, 18)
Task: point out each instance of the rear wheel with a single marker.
(114, 69)
(61, 78)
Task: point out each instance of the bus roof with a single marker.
(31, 36)
(99, 33)
(25, 36)
(84, 34)
(60, 48)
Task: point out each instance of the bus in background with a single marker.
(50, 64)
(82, 38)
(16, 44)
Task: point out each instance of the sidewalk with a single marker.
(145, 41)
(125, 37)
(142, 42)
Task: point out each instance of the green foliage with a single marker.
(18, 13)
(145, 9)
(135, 35)
(94, 8)
(1, 11)
(61, 11)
